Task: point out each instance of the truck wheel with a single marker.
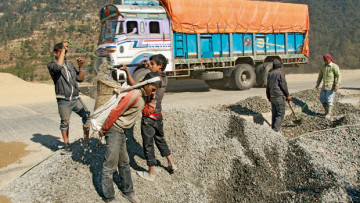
(211, 75)
(262, 72)
(242, 77)
(217, 84)
(140, 74)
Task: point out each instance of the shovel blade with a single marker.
(298, 121)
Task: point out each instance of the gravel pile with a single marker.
(251, 106)
(221, 158)
(312, 120)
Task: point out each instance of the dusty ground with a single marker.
(12, 152)
(181, 96)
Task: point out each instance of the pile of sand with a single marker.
(14, 90)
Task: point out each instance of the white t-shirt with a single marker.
(133, 32)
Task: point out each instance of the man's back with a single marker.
(277, 85)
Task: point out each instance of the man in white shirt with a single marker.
(132, 29)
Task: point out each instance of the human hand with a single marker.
(101, 133)
(317, 87)
(146, 64)
(65, 44)
(80, 62)
(336, 88)
(288, 98)
(124, 68)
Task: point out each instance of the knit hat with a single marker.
(277, 64)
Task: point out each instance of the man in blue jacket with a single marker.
(65, 77)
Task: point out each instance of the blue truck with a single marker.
(219, 54)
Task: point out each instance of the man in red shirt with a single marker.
(120, 119)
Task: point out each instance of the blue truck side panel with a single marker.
(225, 45)
(238, 42)
(270, 44)
(191, 41)
(218, 45)
(280, 43)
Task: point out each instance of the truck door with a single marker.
(206, 46)
(260, 43)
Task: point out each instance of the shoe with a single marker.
(328, 112)
(132, 198)
(145, 175)
(112, 201)
(66, 150)
(172, 168)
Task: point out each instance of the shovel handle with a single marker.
(292, 109)
(312, 94)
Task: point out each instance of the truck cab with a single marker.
(130, 34)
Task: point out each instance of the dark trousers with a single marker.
(116, 156)
(152, 130)
(278, 112)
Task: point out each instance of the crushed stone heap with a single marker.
(221, 158)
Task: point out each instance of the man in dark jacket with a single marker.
(65, 77)
(277, 92)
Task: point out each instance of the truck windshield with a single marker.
(109, 29)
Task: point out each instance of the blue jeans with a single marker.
(327, 96)
(116, 156)
(66, 107)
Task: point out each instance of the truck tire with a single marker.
(243, 77)
(211, 75)
(140, 74)
(217, 84)
(262, 72)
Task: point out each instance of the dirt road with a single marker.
(195, 93)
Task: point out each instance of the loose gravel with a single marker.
(221, 158)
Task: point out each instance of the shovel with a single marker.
(297, 121)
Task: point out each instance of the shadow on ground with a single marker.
(48, 141)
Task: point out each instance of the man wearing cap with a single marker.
(277, 92)
(331, 77)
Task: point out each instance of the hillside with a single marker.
(334, 29)
(29, 29)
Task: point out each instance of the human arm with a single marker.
(54, 67)
(61, 58)
(131, 81)
(337, 76)
(283, 86)
(134, 31)
(150, 106)
(125, 103)
(80, 62)
(320, 77)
